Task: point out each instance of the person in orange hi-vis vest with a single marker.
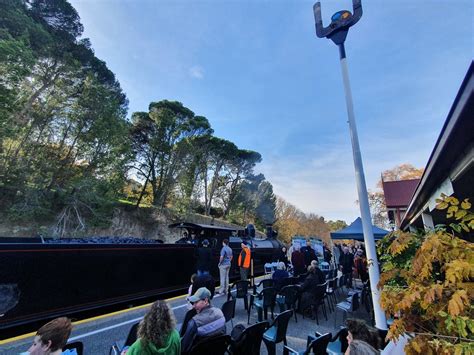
(244, 261)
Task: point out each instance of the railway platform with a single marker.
(99, 333)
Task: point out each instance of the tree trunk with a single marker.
(213, 186)
(47, 82)
(143, 190)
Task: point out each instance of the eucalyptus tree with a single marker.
(189, 189)
(255, 201)
(63, 113)
(220, 152)
(160, 140)
(239, 166)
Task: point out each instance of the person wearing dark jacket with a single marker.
(279, 275)
(327, 254)
(360, 265)
(346, 263)
(308, 288)
(309, 253)
(297, 259)
(204, 258)
(283, 256)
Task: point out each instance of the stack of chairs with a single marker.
(351, 305)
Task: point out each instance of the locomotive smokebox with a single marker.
(271, 234)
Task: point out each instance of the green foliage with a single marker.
(63, 132)
(68, 153)
(427, 281)
(336, 225)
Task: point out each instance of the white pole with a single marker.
(374, 275)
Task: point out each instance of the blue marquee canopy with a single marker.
(355, 231)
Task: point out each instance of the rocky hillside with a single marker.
(142, 223)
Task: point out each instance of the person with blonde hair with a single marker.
(157, 333)
(51, 337)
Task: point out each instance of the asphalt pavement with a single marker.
(99, 333)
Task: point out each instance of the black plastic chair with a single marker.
(77, 346)
(366, 298)
(280, 283)
(294, 280)
(264, 283)
(276, 333)
(228, 308)
(331, 291)
(318, 300)
(263, 300)
(219, 345)
(331, 274)
(131, 338)
(302, 277)
(187, 317)
(314, 345)
(250, 340)
(327, 297)
(340, 282)
(348, 306)
(338, 344)
(287, 298)
(242, 291)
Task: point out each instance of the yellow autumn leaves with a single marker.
(427, 280)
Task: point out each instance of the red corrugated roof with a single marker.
(399, 193)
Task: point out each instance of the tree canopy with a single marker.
(376, 197)
(69, 155)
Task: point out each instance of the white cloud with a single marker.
(196, 72)
(322, 179)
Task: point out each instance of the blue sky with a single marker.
(257, 71)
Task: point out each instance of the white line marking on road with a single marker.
(77, 337)
(81, 336)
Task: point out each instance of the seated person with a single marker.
(314, 267)
(209, 321)
(51, 337)
(358, 330)
(309, 287)
(279, 275)
(157, 333)
(360, 347)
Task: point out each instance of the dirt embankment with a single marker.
(145, 223)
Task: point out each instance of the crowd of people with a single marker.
(157, 332)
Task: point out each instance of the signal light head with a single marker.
(341, 16)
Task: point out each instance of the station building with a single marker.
(450, 168)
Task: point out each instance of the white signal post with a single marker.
(337, 32)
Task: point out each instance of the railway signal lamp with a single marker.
(337, 31)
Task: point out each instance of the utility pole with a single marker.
(337, 31)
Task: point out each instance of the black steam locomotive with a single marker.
(42, 279)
